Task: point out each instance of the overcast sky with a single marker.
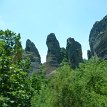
(35, 19)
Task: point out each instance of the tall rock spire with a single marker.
(74, 52)
(32, 52)
(53, 53)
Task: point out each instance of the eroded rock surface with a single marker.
(32, 52)
(98, 38)
(53, 54)
(53, 57)
(74, 52)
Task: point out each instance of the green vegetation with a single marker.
(14, 90)
(85, 86)
(82, 87)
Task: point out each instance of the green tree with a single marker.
(14, 90)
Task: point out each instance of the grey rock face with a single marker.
(74, 52)
(98, 38)
(32, 52)
(53, 57)
(53, 54)
(30, 47)
(89, 54)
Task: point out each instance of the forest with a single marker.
(84, 86)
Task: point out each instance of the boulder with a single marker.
(98, 38)
(74, 52)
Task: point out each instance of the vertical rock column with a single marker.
(74, 52)
(53, 53)
(32, 52)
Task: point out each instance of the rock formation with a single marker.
(53, 54)
(32, 52)
(30, 47)
(74, 52)
(98, 39)
(53, 57)
(89, 54)
(57, 55)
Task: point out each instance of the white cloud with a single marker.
(85, 54)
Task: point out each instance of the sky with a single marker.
(35, 19)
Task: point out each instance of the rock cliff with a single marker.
(98, 38)
(56, 55)
(53, 53)
(32, 52)
(74, 52)
(89, 54)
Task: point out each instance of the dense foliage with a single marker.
(13, 71)
(82, 87)
(85, 86)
